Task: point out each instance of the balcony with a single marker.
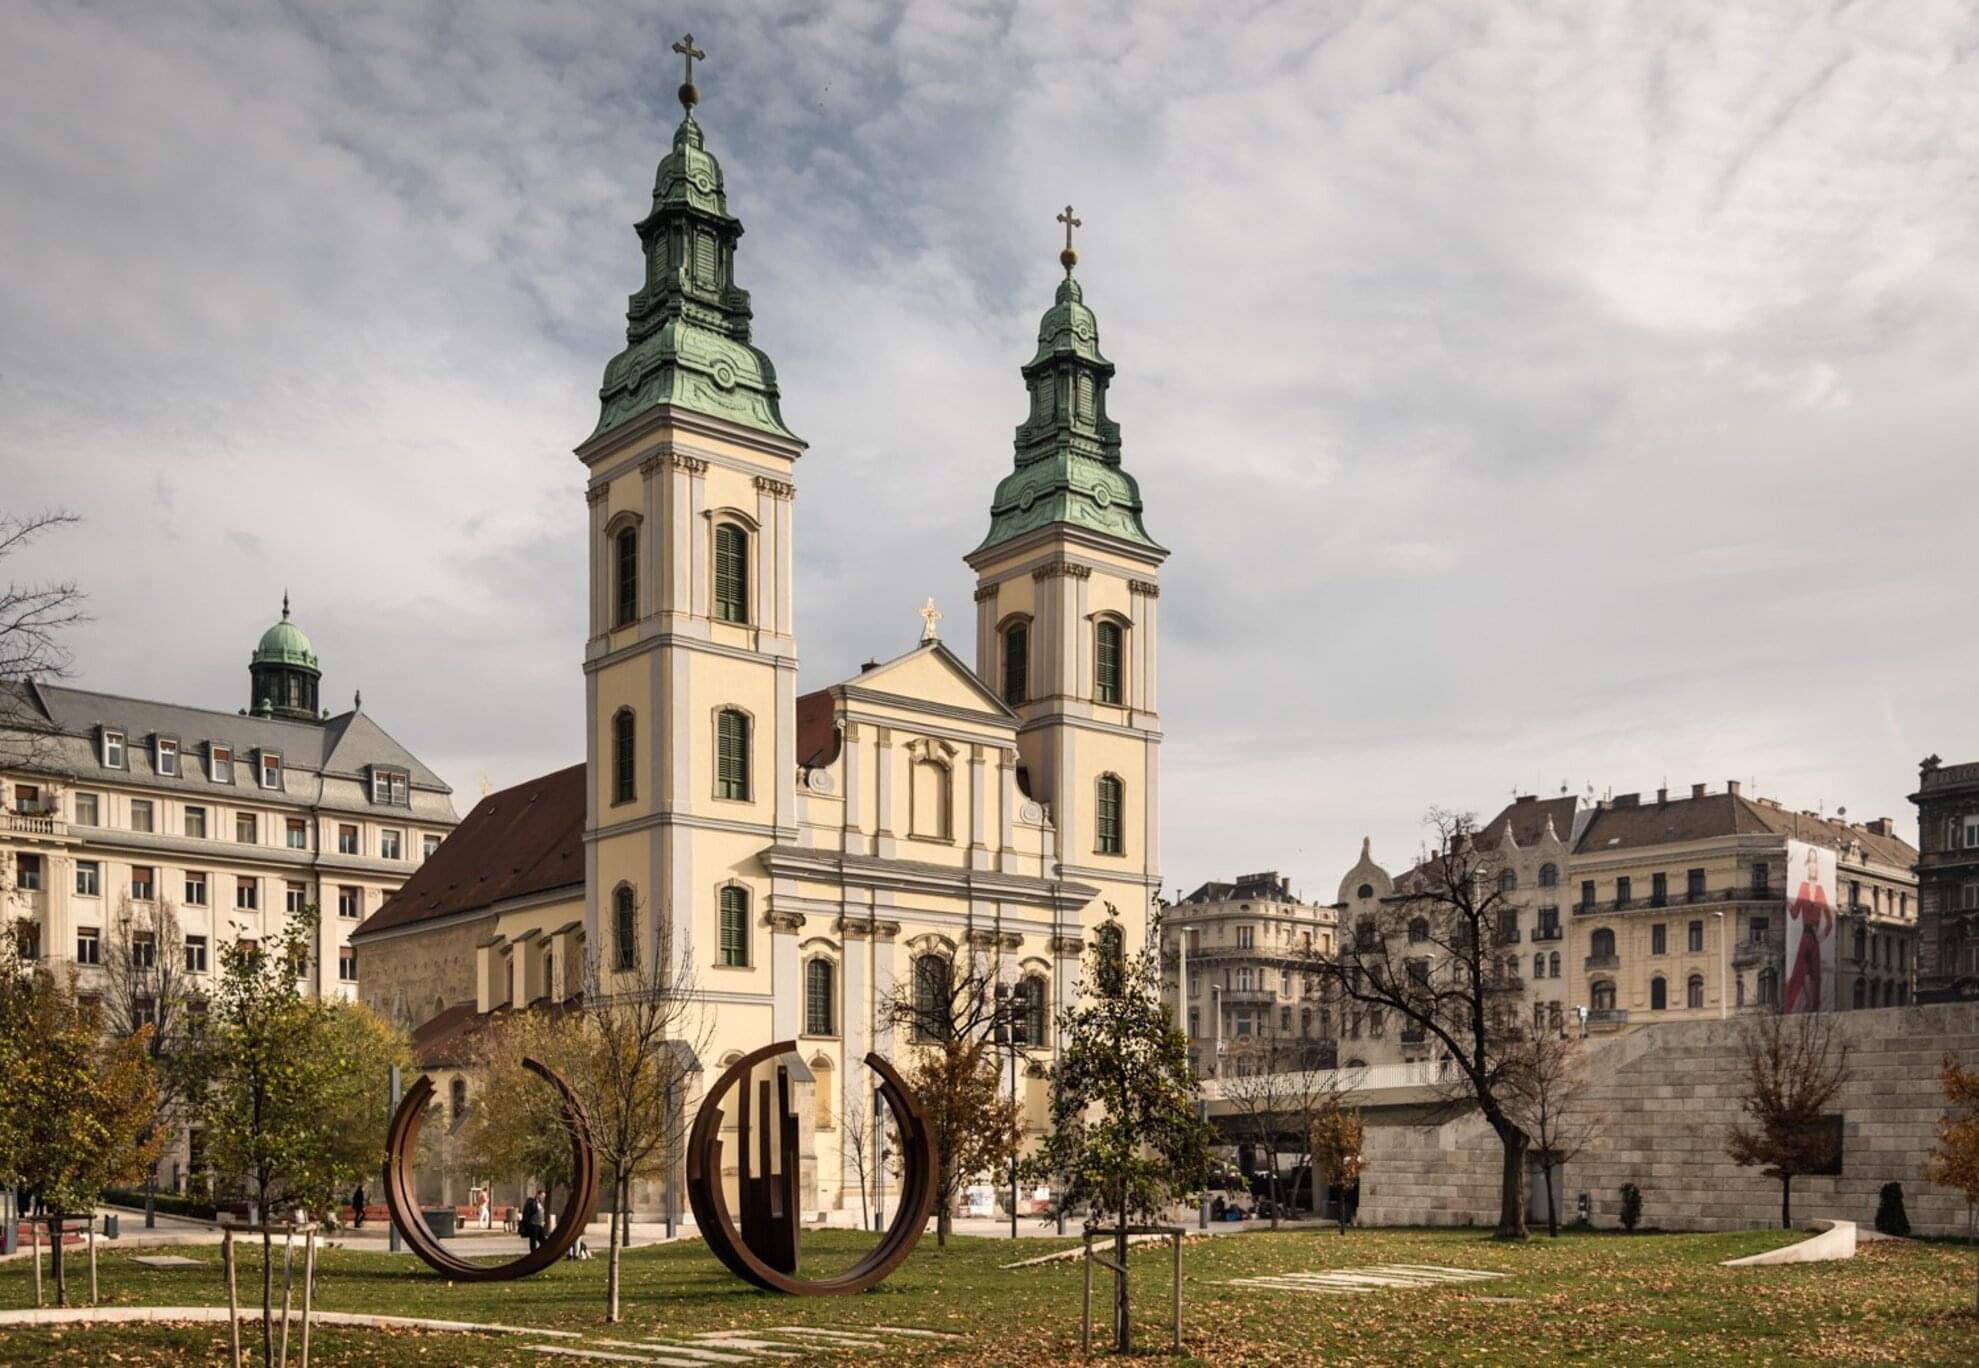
(1597, 962)
(1248, 997)
(1505, 935)
(1545, 933)
(1504, 983)
(32, 824)
(1603, 1017)
(1758, 954)
(1720, 896)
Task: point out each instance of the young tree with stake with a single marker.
(1794, 1067)
(1548, 1096)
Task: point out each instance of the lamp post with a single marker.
(1009, 1003)
(1724, 967)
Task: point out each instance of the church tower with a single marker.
(283, 673)
(690, 664)
(1065, 616)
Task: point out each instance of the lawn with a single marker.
(1587, 1297)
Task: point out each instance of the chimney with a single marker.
(1731, 787)
(1623, 800)
(1662, 796)
(1882, 826)
(1697, 790)
(1527, 798)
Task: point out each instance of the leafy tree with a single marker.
(1335, 1144)
(1891, 1218)
(294, 1094)
(147, 988)
(950, 1013)
(1427, 959)
(1631, 1207)
(524, 1134)
(1954, 1161)
(1548, 1095)
(1794, 1067)
(77, 1114)
(1126, 1142)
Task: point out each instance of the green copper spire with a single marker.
(687, 328)
(1068, 450)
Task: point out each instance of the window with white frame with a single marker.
(219, 762)
(389, 787)
(247, 893)
(247, 830)
(295, 897)
(346, 840)
(297, 833)
(86, 809)
(195, 822)
(427, 845)
(27, 872)
(89, 945)
(142, 815)
(346, 964)
(195, 888)
(350, 900)
(89, 875)
(195, 954)
(391, 844)
(113, 749)
(271, 770)
(144, 883)
(166, 757)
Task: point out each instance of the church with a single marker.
(798, 854)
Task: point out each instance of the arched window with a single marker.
(1508, 880)
(1549, 876)
(1602, 994)
(1031, 1018)
(1364, 891)
(734, 903)
(625, 928)
(732, 754)
(625, 555)
(624, 738)
(1659, 994)
(1694, 992)
(731, 573)
(1017, 663)
(457, 1096)
(819, 1013)
(1553, 965)
(1109, 822)
(1601, 943)
(1107, 686)
(1538, 965)
(933, 1000)
(1769, 987)
(1418, 930)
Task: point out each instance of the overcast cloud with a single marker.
(1530, 393)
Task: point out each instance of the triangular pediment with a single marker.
(934, 675)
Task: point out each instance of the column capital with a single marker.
(784, 923)
(597, 493)
(775, 488)
(1067, 947)
(885, 930)
(1145, 588)
(851, 929)
(1064, 569)
(693, 465)
(650, 466)
(985, 592)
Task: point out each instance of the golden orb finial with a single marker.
(1069, 258)
(690, 94)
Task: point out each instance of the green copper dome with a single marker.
(1068, 450)
(284, 644)
(687, 327)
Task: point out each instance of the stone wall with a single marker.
(420, 973)
(1669, 1093)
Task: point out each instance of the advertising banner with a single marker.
(1810, 929)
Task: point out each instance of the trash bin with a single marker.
(440, 1221)
(110, 1221)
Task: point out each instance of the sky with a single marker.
(1533, 395)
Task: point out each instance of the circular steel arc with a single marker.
(710, 1204)
(402, 1199)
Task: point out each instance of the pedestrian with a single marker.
(532, 1218)
(358, 1197)
(487, 1212)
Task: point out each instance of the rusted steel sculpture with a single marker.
(764, 1252)
(403, 1201)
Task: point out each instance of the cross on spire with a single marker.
(930, 615)
(1069, 258)
(689, 94)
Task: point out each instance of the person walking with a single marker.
(532, 1218)
(358, 1197)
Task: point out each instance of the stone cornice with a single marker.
(1061, 568)
(1145, 588)
(778, 489)
(985, 592)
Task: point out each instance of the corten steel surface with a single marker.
(403, 1201)
(764, 1252)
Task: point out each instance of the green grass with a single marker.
(1602, 1298)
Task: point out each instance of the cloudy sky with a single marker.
(1532, 394)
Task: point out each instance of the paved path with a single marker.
(763, 1345)
(1376, 1278)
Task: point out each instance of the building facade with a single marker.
(798, 856)
(1947, 800)
(1238, 962)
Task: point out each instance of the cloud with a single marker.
(1545, 391)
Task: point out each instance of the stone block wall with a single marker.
(1669, 1093)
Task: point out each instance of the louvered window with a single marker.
(1016, 663)
(627, 550)
(625, 929)
(732, 754)
(1106, 662)
(817, 998)
(624, 732)
(1111, 841)
(734, 926)
(731, 573)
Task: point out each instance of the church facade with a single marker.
(796, 855)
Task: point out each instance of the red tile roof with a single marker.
(522, 840)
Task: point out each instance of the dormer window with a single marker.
(165, 756)
(389, 787)
(271, 770)
(113, 749)
(219, 763)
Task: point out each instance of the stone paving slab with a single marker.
(1375, 1278)
(167, 1261)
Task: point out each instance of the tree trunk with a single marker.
(611, 1269)
(1123, 1330)
(945, 1214)
(55, 1254)
(267, 1287)
(1786, 1201)
(1552, 1209)
(1511, 1193)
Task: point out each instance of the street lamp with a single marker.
(1009, 1003)
(1724, 968)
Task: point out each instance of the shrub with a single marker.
(168, 1202)
(1890, 1217)
(1631, 1206)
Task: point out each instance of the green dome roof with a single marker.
(284, 644)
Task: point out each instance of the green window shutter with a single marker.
(626, 930)
(624, 788)
(1016, 663)
(1106, 662)
(628, 577)
(734, 926)
(731, 573)
(1110, 842)
(817, 998)
(732, 755)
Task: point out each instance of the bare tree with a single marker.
(147, 989)
(1281, 1085)
(871, 1145)
(1428, 958)
(950, 1011)
(1794, 1067)
(34, 616)
(1548, 1095)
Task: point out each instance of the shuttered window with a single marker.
(817, 998)
(624, 735)
(1111, 841)
(732, 754)
(734, 926)
(626, 546)
(1016, 663)
(731, 573)
(1106, 662)
(625, 929)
